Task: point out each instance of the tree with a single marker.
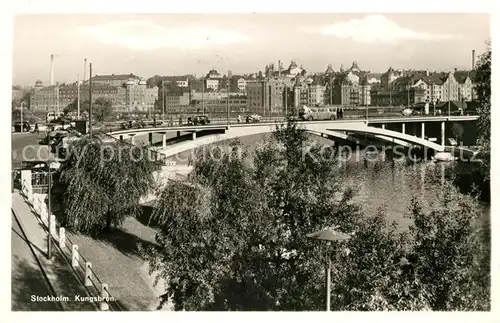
(103, 108)
(450, 253)
(155, 81)
(100, 184)
(441, 263)
(483, 95)
(234, 238)
(73, 106)
(458, 130)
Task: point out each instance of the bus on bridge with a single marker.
(318, 113)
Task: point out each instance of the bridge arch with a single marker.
(333, 129)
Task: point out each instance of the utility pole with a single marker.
(202, 94)
(390, 94)
(90, 100)
(449, 98)
(57, 98)
(227, 87)
(49, 209)
(52, 69)
(163, 100)
(331, 92)
(84, 70)
(78, 97)
(22, 125)
(408, 96)
(286, 101)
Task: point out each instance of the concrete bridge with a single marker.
(391, 129)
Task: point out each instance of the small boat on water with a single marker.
(444, 157)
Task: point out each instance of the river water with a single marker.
(380, 183)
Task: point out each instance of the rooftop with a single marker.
(114, 77)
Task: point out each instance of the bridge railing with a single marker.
(153, 154)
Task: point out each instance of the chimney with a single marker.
(51, 69)
(427, 72)
(279, 68)
(84, 69)
(473, 59)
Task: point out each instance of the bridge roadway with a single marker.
(335, 128)
(371, 121)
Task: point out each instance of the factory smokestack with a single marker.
(84, 69)
(279, 68)
(473, 59)
(51, 69)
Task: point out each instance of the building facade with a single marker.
(17, 95)
(113, 80)
(237, 84)
(270, 96)
(351, 88)
(183, 83)
(44, 98)
(465, 85)
(217, 106)
(384, 97)
(213, 81)
(129, 97)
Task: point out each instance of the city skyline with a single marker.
(177, 44)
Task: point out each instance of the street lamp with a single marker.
(163, 99)
(228, 112)
(22, 124)
(90, 101)
(49, 211)
(328, 235)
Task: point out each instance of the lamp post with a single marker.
(78, 97)
(328, 235)
(390, 94)
(202, 95)
(286, 102)
(227, 88)
(163, 100)
(90, 100)
(449, 98)
(49, 211)
(408, 96)
(22, 124)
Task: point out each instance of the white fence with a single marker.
(80, 265)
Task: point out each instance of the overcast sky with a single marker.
(169, 44)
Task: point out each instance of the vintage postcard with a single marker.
(251, 162)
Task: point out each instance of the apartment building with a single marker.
(114, 80)
(131, 96)
(269, 96)
(351, 87)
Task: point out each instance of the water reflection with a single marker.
(386, 183)
(391, 186)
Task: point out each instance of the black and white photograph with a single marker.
(250, 161)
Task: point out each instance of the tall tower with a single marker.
(51, 69)
(84, 69)
(473, 59)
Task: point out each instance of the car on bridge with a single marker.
(133, 124)
(407, 112)
(253, 118)
(24, 125)
(198, 120)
